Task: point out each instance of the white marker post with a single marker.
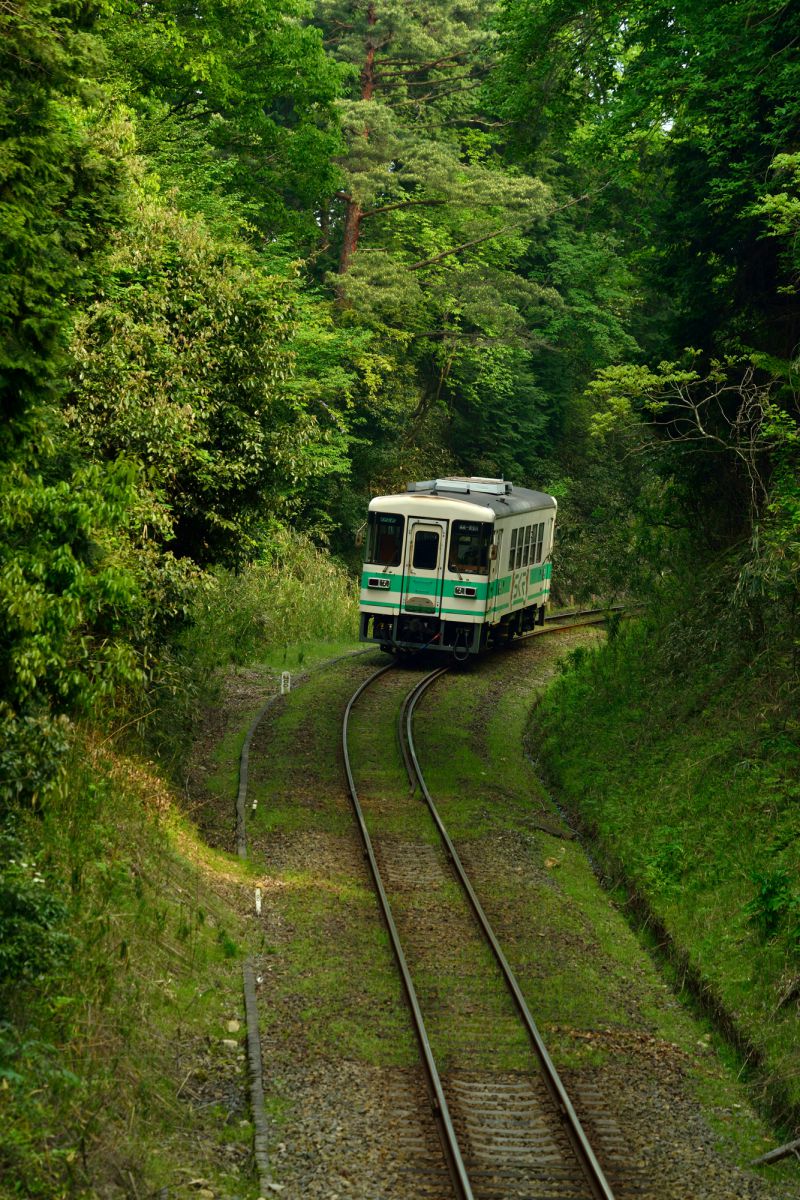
(286, 682)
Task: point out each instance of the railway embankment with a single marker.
(122, 1056)
(681, 767)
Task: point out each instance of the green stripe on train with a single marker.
(430, 587)
(424, 587)
(396, 606)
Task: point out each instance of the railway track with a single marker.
(505, 1134)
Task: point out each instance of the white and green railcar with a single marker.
(453, 564)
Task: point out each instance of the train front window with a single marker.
(426, 550)
(469, 547)
(384, 539)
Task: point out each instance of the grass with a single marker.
(285, 612)
(290, 598)
(301, 656)
(116, 1077)
(333, 992)
(295, 770)
(691, 792)
(580, 963)
(346, 1004)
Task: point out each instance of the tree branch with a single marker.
(428, 262)
(434, 62)
(440, 95)
(373, 212)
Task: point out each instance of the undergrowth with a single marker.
(294, 595)
(119, 947)
(119, 969)
(677, 743)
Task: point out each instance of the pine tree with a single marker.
(426, 234)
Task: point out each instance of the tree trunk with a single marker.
(353, 212)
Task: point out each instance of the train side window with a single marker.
(512, 550)
(520, 540)
(426, 550)
(539, 541)
(469, 547)
(526, 558)
(384, 539)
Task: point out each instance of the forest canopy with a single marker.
(262, 258)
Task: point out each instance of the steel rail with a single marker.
(581, 1146)
(598, 616)
(588, 612)
(444, 1123)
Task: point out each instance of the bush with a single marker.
(775, 905)
(33, 939)
(295, 593)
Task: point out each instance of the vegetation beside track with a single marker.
(679, 751)
(121, 933)
(334, 998)
(333, 990)
(587, 976)
(121, 1070)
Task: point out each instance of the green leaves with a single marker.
(233, 107)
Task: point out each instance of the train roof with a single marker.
(502, 498)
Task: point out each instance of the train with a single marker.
(455, 565)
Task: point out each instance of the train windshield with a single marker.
(384, 539)
(469, 547)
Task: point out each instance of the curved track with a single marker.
(499, 1173)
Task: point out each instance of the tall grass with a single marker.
(116, 948)
(675, 744)
(298, 593)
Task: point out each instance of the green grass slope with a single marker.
(685, 770)
(122, 1052)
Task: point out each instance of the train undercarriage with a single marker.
(410, 632)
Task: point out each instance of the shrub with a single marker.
(775, 904)
(294, 594)
(33, 939)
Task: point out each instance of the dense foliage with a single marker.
(261, 258)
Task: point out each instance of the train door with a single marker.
(495, 571)
(519, 568)
(424, 569)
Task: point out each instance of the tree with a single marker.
(233, 105)
(426, 231)
(63, 160)
(677, 118)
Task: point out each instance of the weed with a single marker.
(775, 903)
(228, 945)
